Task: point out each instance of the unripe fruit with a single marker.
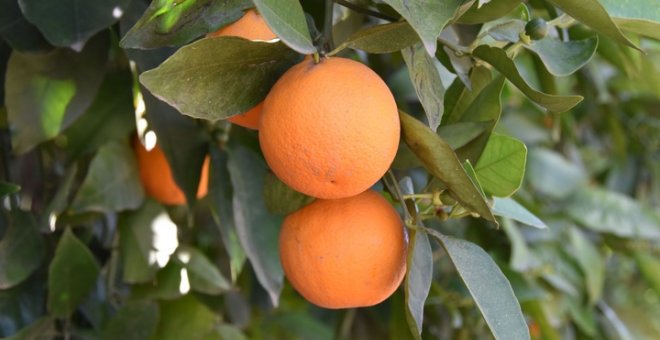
(536, 29)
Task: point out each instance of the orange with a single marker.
(251, 26)
(156, 176)
(329, 130)
(344, 253)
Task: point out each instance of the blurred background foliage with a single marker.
(84, 255)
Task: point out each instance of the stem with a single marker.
(366, 11)
(422, 196)
(327, 44)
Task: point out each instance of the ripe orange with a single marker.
(329, 130)
(156, 176)
(344, 253)
(251, 26)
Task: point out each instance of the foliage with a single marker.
(528, 175)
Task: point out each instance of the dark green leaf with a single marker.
(387, 38)
(460, 134)
(22, 305)
(593, 14)
(229, 332)
(489, 288)
(441, 161)
(219, 77)
(426, 80)
(418, 279)
(280, 198)
(204, 276)
(112, 182)
(257, 229)
(171, 282)
(459, 98)
(562, 58)
(287, 19)
(498, 59)
(7, 188)
(176, 23)
(47, 92)
(184, 318)
(509, 208)
(591, 262)
(428, 18)
(43, 328)
(551, 174)
(71, 275)
(60, 201)
(134, 321)
(17, 31)
(21, 249)
(501, 166)
(487, 12)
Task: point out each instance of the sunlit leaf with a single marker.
(562, 58)
(508, 207)
(287, 19)
(21, 249)
(502, 165)
(426, 81)
(387, 38)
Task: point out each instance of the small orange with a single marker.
(329, 130)
(156, 176)
(344, 253)
(251, 26)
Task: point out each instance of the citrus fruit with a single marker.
(156, 176)
(330, 129)
(344, 253)
(251, 26)
(536, 28)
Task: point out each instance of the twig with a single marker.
(327, 43)
(366, 11)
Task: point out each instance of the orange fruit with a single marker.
(156, 176)
(329, 130)
(251, 26)
(344, 253)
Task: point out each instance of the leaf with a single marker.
(551, 174)
(591, 262)
(257, 229)
(184, 318)
(204, 276)
(134, 321)
(649, 266)
(287, 19)
(20, 34)
(280, 198)
(215, 79)
(509, 208)
(418, 279)
(22, 249)
(229, 332)
(459, 98)
(488, 12)
(501, 166)
(498, 59)
(610, 212)
(643, 18)
(460, 134)
(563, 58)
(489, 288)
(426, 81)
(507, 31)
(71, 275)
(7, 189)
(112, 182)
(522, 259)
(43, 328)
(387, 38)
(441, 162)
(176, 23)
(171, 282)
(594, 15)
(428, 18)
(47, 92)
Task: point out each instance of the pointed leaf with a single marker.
(287, 19)
(488, 12)
(418, 279)
(280, 198)
(591, 262)
(498, 59)
(460, 134)
(213, 79)
(7, 188)
(426, 80)
(185, 318)
(134, 321)
(204, 276)
(21, 249)
(522, 259)
(643, 18)
(387, 38)
(501, 166)
(562, 58)
(509, 208)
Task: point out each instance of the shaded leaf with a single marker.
(522, 259)
(71, 275)
(509, 208)
(229, 332)
(19, 33)
(642, 18)
(553, 175)
(7, 189)
(498, 59)
(184, 318)
(489, 288)
(418, 279)
(460, 134)
(204, 276)
(487, 12)
(43, 328)
(387, 38)
(21, 249)
(134, 321)
(501, 166)
(173, 23)
(591, 262)
(170, 283)
(562, 58)
(459, 98)
(440, 160)
(507, 31)
(426, 81)
(287, 19)
(280, 198)
(213, 79)
(649, 266)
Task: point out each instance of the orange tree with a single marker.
(438, 108)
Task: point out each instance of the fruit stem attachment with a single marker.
(317, 58)
(326, 43)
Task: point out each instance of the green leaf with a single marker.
(460, 134)
(649, 266)
(441, 161)
(280, 198)
(498, 59)
(112, 182)
(522, 259)
(171, 282)
(509, 208)
(459, 98)
(642, 17)
(204, 276)
(419, 276)
(7, 188)
(426, 81)
(501, 166)
(562, 58)
(594, 15)
(176, 23)
(184, 318)
(22, 249)
(287, 19)
(387, 38)
(71, 275)
(428, 18)
(591, 262)
(230, 332)
(43, 328)
(490, 11)
(134, 321)
(610, 212)
(20, 34)
(508, 31)
(553, 175)
(257, 229)
(489, 288)
(219, 77)
(47, 92)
